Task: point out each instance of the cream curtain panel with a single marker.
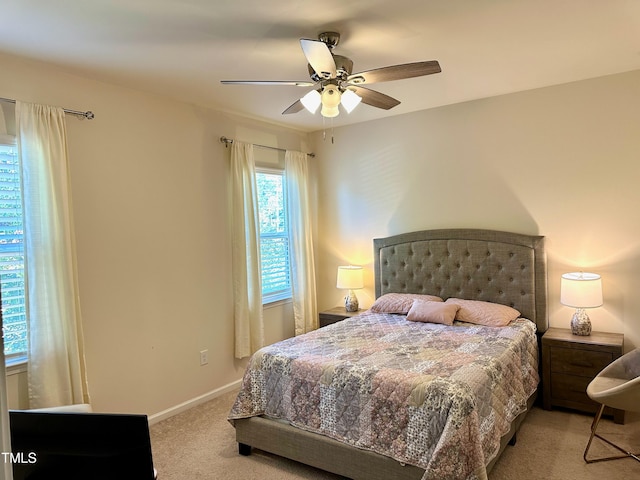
(247, 285)
(6, 472)
(56, 367)
(303, 277)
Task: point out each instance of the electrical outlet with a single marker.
(204, 357)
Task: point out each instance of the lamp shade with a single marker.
(350, 277)
(311, 101)
(350, 100)
(581, 290)
(330, 100)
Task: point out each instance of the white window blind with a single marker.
(12, 254)
(274, 236)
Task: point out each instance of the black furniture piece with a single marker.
(74, 446)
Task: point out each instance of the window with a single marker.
(12, 254)
(274, 236)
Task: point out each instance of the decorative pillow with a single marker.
(432, 312)
(484, 313)
(399, 302)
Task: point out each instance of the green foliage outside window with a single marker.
(12, 254)
(274, 236)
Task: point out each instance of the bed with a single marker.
(361, 398)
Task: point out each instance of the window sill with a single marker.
(277, 303)
(16, 365)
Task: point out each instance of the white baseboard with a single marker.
(170, 412)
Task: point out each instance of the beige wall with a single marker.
(563, 162)
(149, 181)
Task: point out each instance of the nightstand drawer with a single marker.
(570, 362)
(578, 362)
(570, 387)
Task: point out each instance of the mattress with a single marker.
(435, 396)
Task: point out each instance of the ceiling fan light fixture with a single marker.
(350, 100)
(334, 82)
(329, 112)
(311, 101)
(330, 101)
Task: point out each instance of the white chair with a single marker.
(617, 386)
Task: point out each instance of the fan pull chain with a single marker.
(331, 130)
(324, 130)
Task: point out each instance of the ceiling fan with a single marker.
(336, 84)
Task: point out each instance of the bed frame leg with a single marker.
(244, 449)
(514, 439)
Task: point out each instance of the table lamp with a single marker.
(350, 277)
(581, 290)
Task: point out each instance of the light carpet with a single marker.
(199, 444)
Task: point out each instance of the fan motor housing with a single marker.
(330, 38)
(344, 67)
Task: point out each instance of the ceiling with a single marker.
(184, 48)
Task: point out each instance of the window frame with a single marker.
(286, 293)
(18, 358)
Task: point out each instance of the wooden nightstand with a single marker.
(335, 315)
(570, 362)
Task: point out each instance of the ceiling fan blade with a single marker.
(375, 99)
(395, 72)
(292, 83)
(319, 57)
(295, 107)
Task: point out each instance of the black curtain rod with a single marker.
(88, 115)
(228, 141)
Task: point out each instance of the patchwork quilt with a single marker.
(435, 396)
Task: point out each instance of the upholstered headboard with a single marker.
(501, 267)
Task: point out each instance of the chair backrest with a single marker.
(626, 367)
(618, 384)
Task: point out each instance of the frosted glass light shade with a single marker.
(350, 277)
(311, 101)
(350, 100)
(330, 101)
(329, 112)
(581, 290)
